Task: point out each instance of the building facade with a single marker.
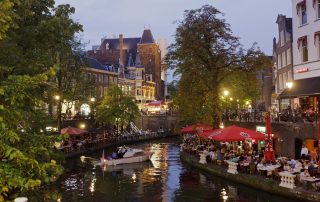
(306, 54)
(282, 57)
(137, 62)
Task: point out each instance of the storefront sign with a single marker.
(301, 70)
(261, 129)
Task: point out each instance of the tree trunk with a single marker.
(216, 112)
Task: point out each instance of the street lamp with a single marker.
(59, 106)
(289, 86)
(226, 93)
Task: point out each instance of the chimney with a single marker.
(122, 62)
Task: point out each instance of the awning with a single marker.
(303, 87)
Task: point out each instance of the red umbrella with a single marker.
(194, 128)
(269, 152)
(72, 131)
(233, 134)
(205, 134)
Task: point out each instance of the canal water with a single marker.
(164, 178)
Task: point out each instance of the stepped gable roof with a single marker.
(147, 37)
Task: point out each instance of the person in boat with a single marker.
(121, 152)
(114, 155)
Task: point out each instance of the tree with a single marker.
(116, 108)
(6, 15)
(204, 54)
(28, 53)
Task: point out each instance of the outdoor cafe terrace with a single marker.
(238, 151)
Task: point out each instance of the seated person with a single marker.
(304, 173)
(260, 164)
(298, 166)
(286, 167)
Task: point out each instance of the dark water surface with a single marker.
(165, 178)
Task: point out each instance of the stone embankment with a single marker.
(254, 181)
(118, 141)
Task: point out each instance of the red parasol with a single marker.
(269, 152)
(72, 131)
(233, 134)
(194, 128)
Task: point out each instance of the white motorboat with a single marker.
(126, 155)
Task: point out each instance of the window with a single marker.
(282, 41)
(289, 75)
(303, 14)
(105, 90)
(285, 79)
(88, 76)
(94, 77)
(319, 44)
(318, 8)
(280, 82)
(304, 49)
(279, 61)
(289, 56)
(100, 78)
(105, 79)
(283, 55)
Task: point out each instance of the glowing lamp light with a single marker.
(82, 126)
(289, 85)
(57, 97)
(92, 99)
(221, 125)
(226, 93)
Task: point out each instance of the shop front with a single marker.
(303, 97)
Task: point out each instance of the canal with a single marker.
(165, 178)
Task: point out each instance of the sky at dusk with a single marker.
(251, 20)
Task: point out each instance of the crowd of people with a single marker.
(92, 140)
(250, 159)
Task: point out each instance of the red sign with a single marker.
(301, 70)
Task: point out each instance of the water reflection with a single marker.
(164, 178)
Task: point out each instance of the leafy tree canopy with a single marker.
(116, 108)
(205, 55)
(28, 66)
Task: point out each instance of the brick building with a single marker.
(137, 62)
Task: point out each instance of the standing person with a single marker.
(304, 152)
(313, 156)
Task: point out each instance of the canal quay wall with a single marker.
(288, 137)
(257, 182)
(119, 142)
